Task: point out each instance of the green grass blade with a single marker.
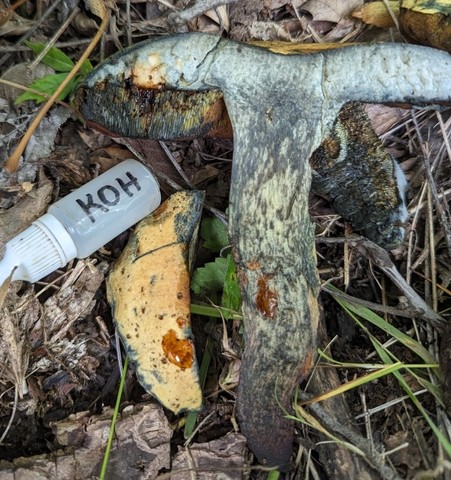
(215, 312)
(106, 456)
(380, 323)
(48, 86)
(54, 58)
(441, 438)
(366, 366)
(273, 475)
(191, 418)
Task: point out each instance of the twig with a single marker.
(375, 459)
(391, 13)
(432, 257)
(176, 165)
(381, 258)
(200, 7)
(199, 426)
(6, 13)
(371, 411)
(32, 90)
(444, 133)
(12, 162)
(128, 24)
(427, 169)
(160, 175)
(54, 38)
(171, 183)
(32, 29)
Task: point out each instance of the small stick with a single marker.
(5, 13)
(32, 90)
(427, 169)
(372, 456)
(199, 8)
(55, 37)
(32, 29)
(381, 258)
(12, 162)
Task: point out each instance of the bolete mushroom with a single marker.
(280, 107)
(151, 280)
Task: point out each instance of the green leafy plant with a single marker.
(48, 85)
(214, 279)
(217, 277)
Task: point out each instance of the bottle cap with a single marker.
(39, 250)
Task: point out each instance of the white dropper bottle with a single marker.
(82, 222)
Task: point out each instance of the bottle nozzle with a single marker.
(39, 250)
(80, 223)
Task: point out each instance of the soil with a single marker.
(59, 367)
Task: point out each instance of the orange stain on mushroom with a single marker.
(253, 265)
(307, 363)
(266, 299)
(177, 350)
(182, 322)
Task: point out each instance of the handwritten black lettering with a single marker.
(90, 205)
(102, 195)
(126, 186)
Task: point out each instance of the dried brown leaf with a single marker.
(16, 320)
(141, 448)
(207, 461)
(21, 74)
(73, 300)
(15, 353)
(15, 26)
(331, 10)
(32, 206)
(98, 7)
(376, 13)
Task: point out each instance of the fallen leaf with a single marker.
(17, 317)
(141, 449)
(21, 74)
(377, 14)
(61, 312)
(330, 10)
(223, 458)
(32, 206)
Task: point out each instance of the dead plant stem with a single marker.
(433, 263)
(444, 133)
(373, 456)
(55, 37)
(12, 162)
(32, 30)
(13, 414)
(32, 90)
(441, 212)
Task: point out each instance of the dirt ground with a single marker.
(59, 368)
